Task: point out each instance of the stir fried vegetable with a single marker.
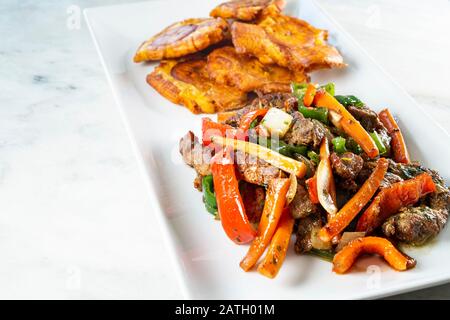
(274, 158)
(308, 98)
(229, 201)
(326, 191)
(391, 199)
(349, 211)
(398, 144)
(211, 128)
(273, 208)
(320, 114)
(326, 255)
(209, 196)
(271, 264)
(249, 118)
(298, 90)
(329, 87)
(311, 185)
(350, 125)
(339, 145)
(380, 145)
(285, 149)
(350, 100)
(277, 122)
(314, 157)
(345, 258)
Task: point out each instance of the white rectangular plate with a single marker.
(206, 262)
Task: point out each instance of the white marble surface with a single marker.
(74, 217)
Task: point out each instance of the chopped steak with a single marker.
(368, 118)
(195, 154)
(416, 225)
(306, 131)
(273, 100)
(307, 228)
(347, 165)
(253, 197)
(255, 170)
(301, 206)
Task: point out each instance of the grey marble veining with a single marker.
(67, 172)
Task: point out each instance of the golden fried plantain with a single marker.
(286, 41)
(187, 83)
(246, 73)
(182, 38)
(245, 10)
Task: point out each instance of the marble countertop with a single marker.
(67, 172)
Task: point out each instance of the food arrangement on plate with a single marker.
(287, 156)
(245, 48)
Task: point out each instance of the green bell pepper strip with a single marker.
(326, 255)
(349, 101)
(376, 138)
(209, 197)
(339, 145)
(320, 114)
(314, 157)
(329, 87)
(287, 150)
(353, 146)
(298, 90)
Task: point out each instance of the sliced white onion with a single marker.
(347, 237)
(292, 189)
(324, 177)
(335, 119)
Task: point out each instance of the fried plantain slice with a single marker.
(187, 83)
(182, 38)
(245, 10)
(247, 73)
(286, 41)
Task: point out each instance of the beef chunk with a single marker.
(307, 229)
(195, 154)
(368, 118)
(255, 170)
(306, 131)
(301, 206)
(347, 165)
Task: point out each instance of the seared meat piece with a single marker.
(277, 100)
(306, 131)
(307, 229)
(195, 154)
(368, 118)
(347, 165)
(253, 197)
(348, 185)
(273, 100)
(389, 179)
(416, 225)
(301, 206)
(255, 170)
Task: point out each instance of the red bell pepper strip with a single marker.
(398, 144)
(311, 185)
(211, 128)
(250, 116)
(229, 201)
(393, 198)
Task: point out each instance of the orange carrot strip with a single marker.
(273, 208)
(326, 190)
(272, 262)
(391, 199)
(349, 211)
(398, 144)
(345, 258)
(308, 98)
(350, 125)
